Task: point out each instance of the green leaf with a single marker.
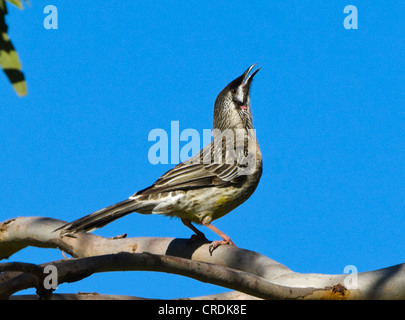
(9, 60)
(17, 3)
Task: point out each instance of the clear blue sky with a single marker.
(328, 106)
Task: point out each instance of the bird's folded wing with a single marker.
(197, 173)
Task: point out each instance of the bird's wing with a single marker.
(201, 171)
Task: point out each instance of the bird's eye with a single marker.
(233, 90)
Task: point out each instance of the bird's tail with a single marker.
(99, 218)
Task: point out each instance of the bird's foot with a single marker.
(198, 237)
(217, 243)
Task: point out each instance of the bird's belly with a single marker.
(200, 206)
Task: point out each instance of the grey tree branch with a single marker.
(231, 295)
(72, 270)
(232, 267)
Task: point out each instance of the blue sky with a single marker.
(328, 107)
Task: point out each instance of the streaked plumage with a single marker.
(208, 185)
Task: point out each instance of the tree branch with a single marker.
(72, 270)
(231, 295)
(232, 267)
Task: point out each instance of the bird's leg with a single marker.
(225, 238)
(198, 234)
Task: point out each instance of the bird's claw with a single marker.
(217, 243)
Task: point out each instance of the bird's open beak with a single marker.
(247, 79)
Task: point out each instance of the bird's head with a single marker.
(232, 106)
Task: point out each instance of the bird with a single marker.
(219, 178)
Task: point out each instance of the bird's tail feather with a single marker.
(99, 218)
